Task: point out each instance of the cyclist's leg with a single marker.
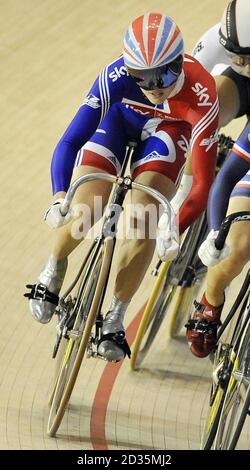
(208, 311)
(136, 252)
(219, 277)
(238, 240)
(134, 257)
(104, 152)
(88, 204)
(158, 163)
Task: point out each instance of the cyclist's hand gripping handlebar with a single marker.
(54, 216)
(214, 249)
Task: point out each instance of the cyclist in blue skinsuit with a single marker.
(226, 43)
(165, 101)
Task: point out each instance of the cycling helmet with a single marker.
(153, 50)
(235, 26)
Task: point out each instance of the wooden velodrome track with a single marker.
(51, 51)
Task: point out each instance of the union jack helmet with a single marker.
(153, 43)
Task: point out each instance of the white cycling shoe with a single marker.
(113, 345)
(51, 277)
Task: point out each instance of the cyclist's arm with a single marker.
(210, 53)
(204, 152)
(231, 172)
(73, 139)
(102, 95)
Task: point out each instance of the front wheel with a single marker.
(59, 358)
(220, 377)
(212, 420)
(237, 398)
(78, 338)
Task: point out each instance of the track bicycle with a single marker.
(230, 391)
(80, 316)
(177, 282)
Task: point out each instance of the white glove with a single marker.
(53, 216)
(207, 252)
(167, 241)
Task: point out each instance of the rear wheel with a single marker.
(190, 274)
(148, 314)
(77, 343)
(150, 325)
(180, 312)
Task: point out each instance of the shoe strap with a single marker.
(202, 326)
(119, 339)
(199, 307)
(207, 311)
(41, 292)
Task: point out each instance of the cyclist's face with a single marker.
(157, 83)
(159, 95)
(241, 64)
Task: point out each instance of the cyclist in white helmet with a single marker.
(151, 95)
(226, 46)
